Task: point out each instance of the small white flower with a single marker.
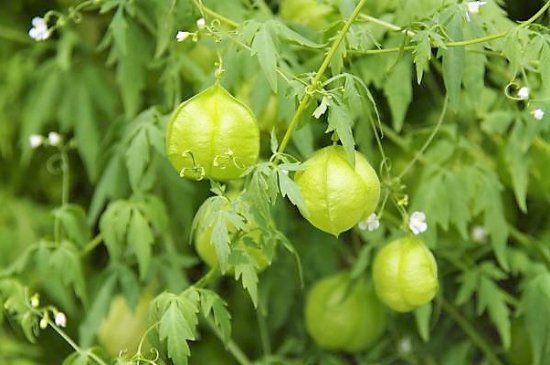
(60, 319)
(474, 6)
(35, 140)
(538, 114)
(35, 301)
(322, 108)
(523, 93)
(405, 345)
(39, 30)
(54, 138)
(417, 222)
(181, 36)
(201, 23)
(371, 223)
(479, 234)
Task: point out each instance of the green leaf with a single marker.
(99, 307)
(398, 91)
(176, 331)
(211, 302)
(138, 156)
(422, 316)
(73, 220)
(141, 239)
(492, 299)
(113, 226)
(518, 164)
(340, 121)
(422, 53)
(290, 189)
(266, 51)
(249, 277)
(534, 304)
(65, 263)
(453, 63)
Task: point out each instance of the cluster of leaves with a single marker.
(108, 79)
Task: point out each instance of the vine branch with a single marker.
(318, 75)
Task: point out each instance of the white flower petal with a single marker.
(538, 114)
(417, 222)
(60, 319)
(201, 23)
(479, 234)
(35, 140)
(54, 138)
(523, 93)
(38, 22)
(181, 36)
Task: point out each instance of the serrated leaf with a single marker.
(422, 53)
(534, 304)
(113, 226)
(422, 316)
(459, 206)
(211, 302)
(453, 64)
(398, 91)
(140, 239)
(290, 189)
(176, 331)
(491, 299)
(249, 277)
(138, 156)
(73, 220)
(266, 51)
(340, 121)
(65, 262)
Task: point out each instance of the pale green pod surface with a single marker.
(212, 135)
(311, 13)
(337, 194)
(344, 315)
(405, 274)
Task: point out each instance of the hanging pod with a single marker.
(337, 194)
(212, 135)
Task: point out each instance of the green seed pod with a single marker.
(405, 274)
(342, 314)
(212, 135)
(337, 194)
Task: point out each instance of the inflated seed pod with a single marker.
(405, 274)
(212, 135)
(337, 194)
(344, 314)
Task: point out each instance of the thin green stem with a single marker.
(264, 335)
(318, 75)
(65, 170)
(429, 140)
(207, 11)
(386, 24)
(469, 329)
(231, 346)
(69, 340)
(535, 16)
(527, 241)
(208, 278)
(90, 246)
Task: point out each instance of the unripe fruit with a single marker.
(337, 194)
(405, 274)
(122, 328)
(342, 314)
(310, 13)
(212, 135)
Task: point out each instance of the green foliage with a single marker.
(101, 212)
